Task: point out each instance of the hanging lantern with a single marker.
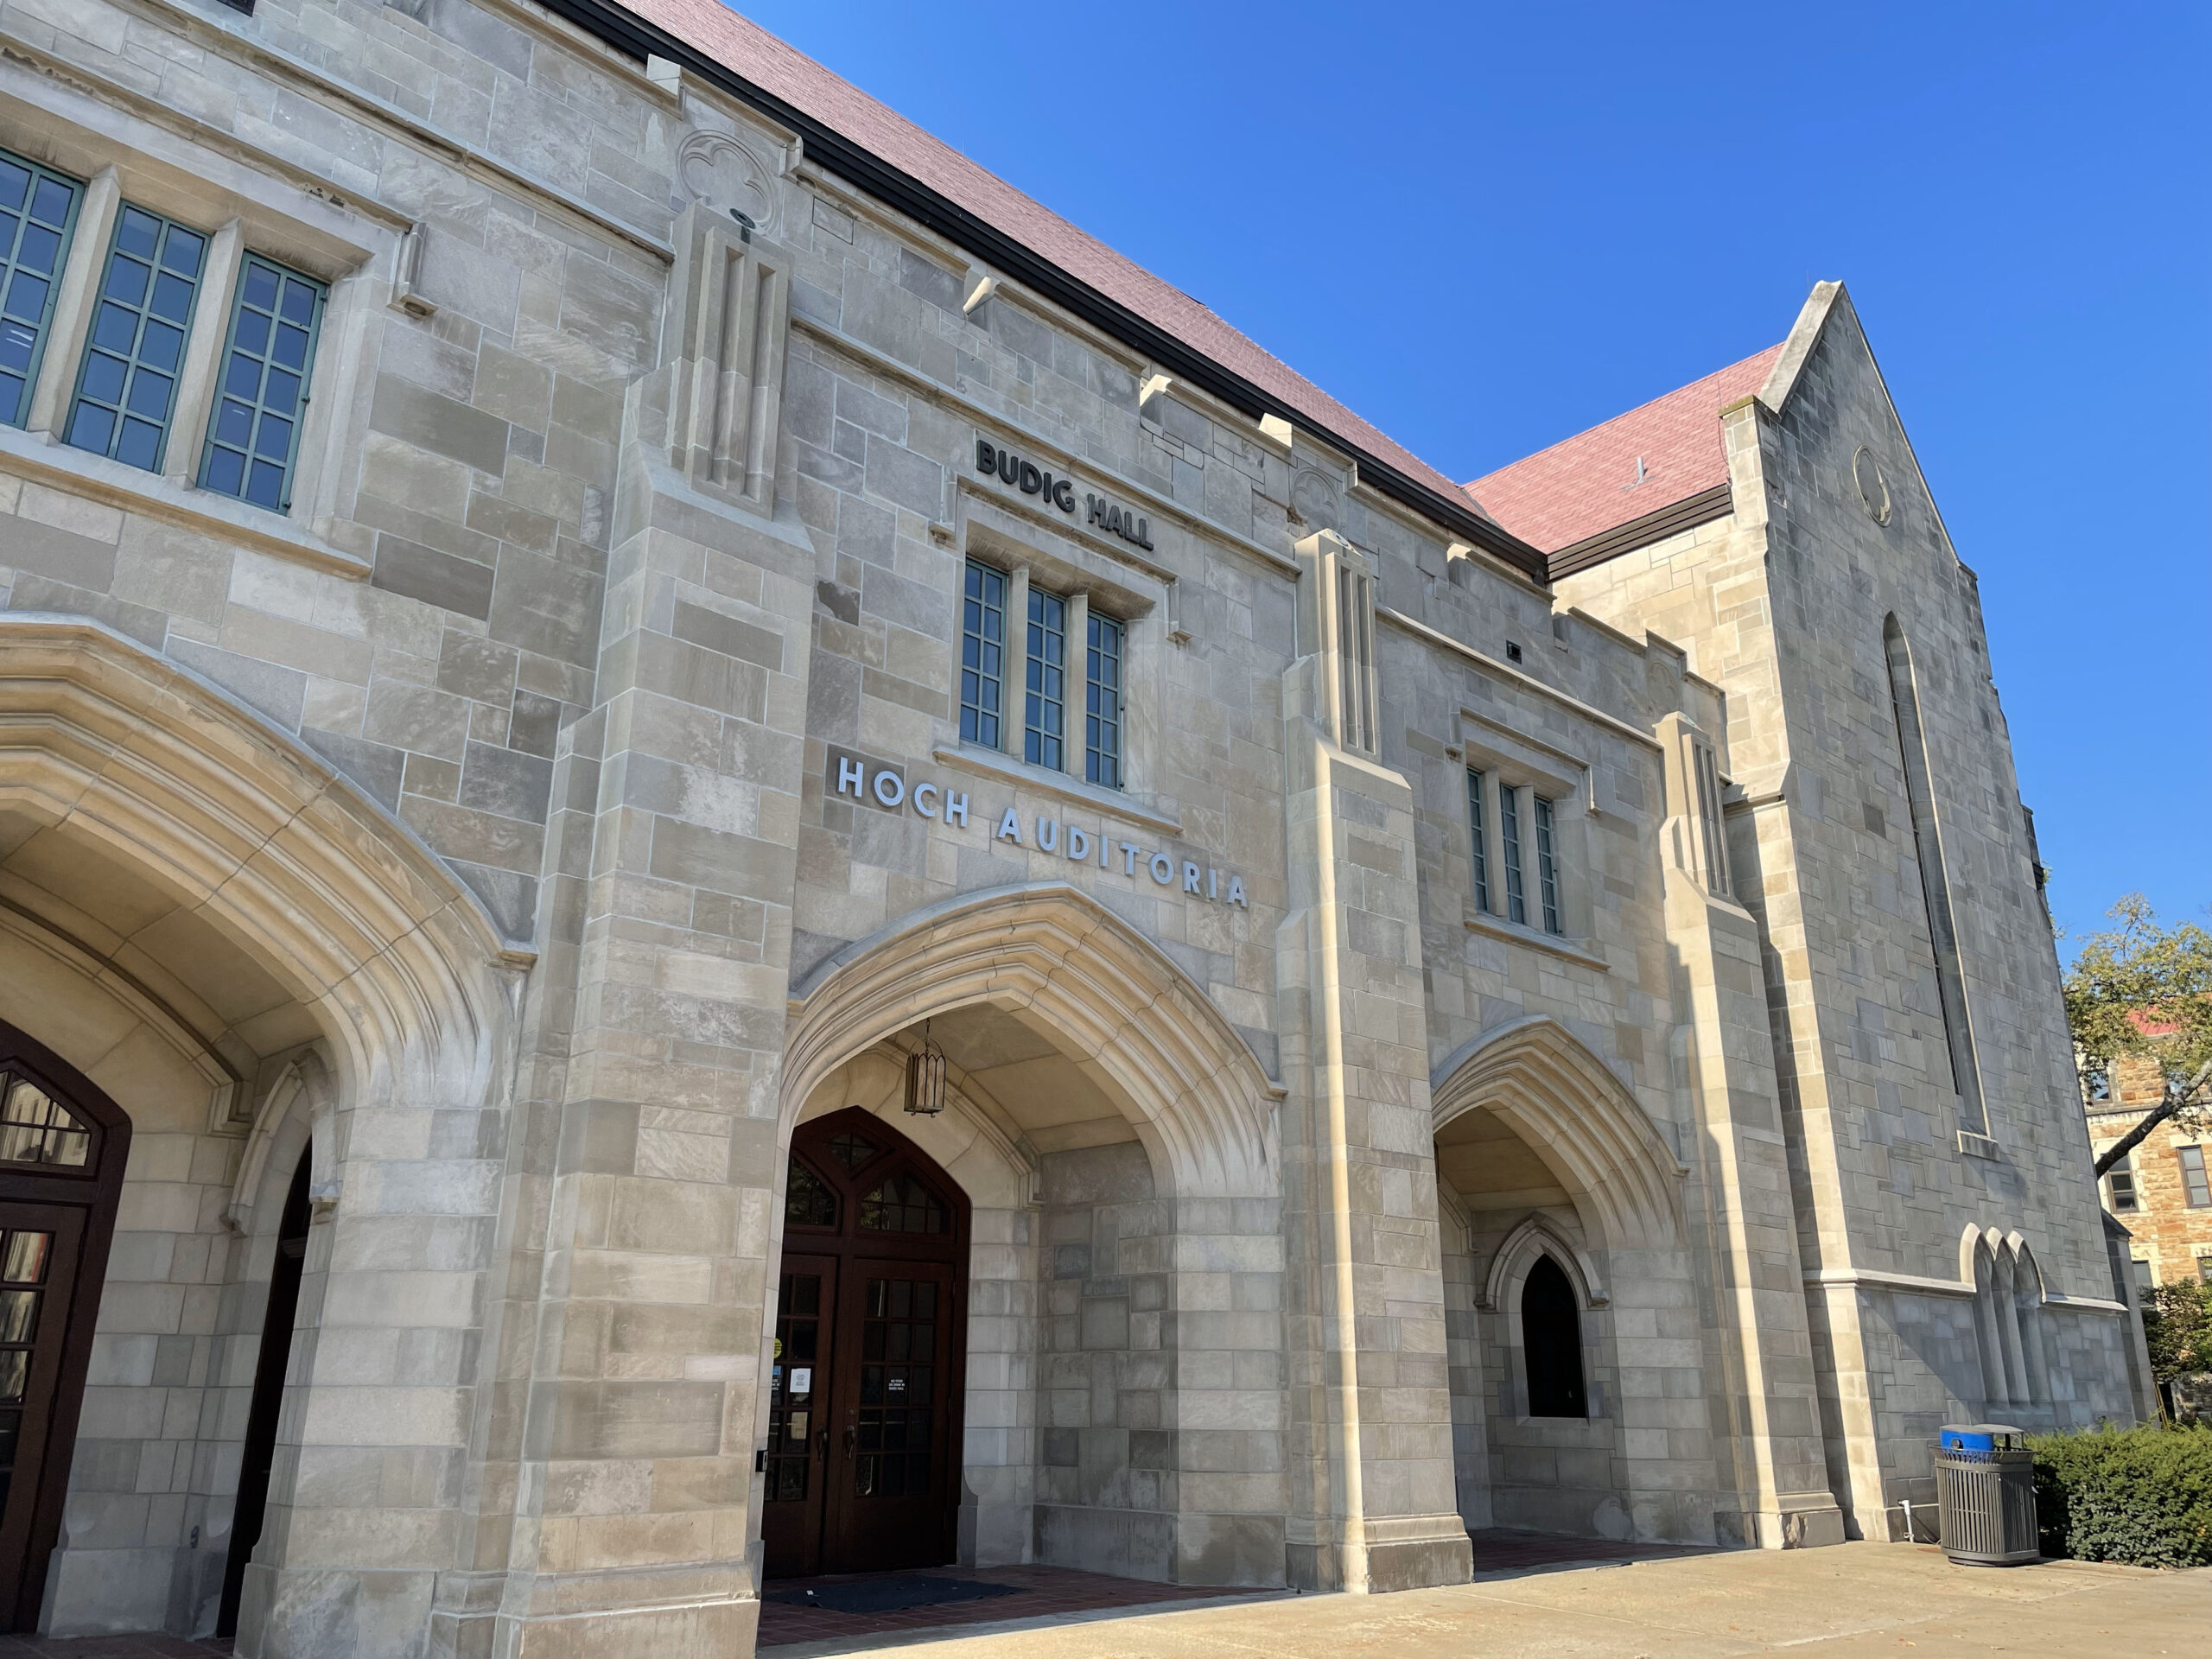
(925, 1078)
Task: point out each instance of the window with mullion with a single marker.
(1102, 702)
(1044, 721)
(38, 210)
(2195, 1185)
(1508, 829)
(253, 436)
(1478, 839)
(126, 388)
(983, 654)
(1547, 868)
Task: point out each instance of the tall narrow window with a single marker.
(983, 655)
(1102, 702)
(1551, 1342)
(1044, 714)
(1708, 803)
(1356, 657)
(2195, 1186)
(1509, 834)
(1547, 868)
(126, 390)
(1478, 839)
(38, 210)
(253, 439)
(1935, 885)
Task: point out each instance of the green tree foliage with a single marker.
(2140, 1496)
(2140, 991)
(2177, 1325)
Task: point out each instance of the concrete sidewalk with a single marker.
(1840, 1603)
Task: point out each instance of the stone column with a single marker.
(1740, 1196)
(634, 1493)
(1370, 1415)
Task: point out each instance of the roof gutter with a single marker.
(634, 36)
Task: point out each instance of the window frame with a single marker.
(2196, 1179)
(994, 680)
(98, 301)
(1478, 838)
(42, 333)
(1508, 831)
(1548, 889)
(1044, 680)
(2123, 1171)
(219, 392)
(1100, 757)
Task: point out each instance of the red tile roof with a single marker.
(774, 66)
(1588, 484)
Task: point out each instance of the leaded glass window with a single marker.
(1102, 702)
(1509, 828)
(253, 438)
(902, 1205)
(808, 1201)
(37, 1128)
(126, 390)
(38, 210)
(852, 1150)
(1478, 839)
(1547, 868)
(983, 655)
(1043, 716)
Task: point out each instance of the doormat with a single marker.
(893, 1594)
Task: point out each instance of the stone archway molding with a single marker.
(173, 779)
(1537, 1236)
(1121, 1010)
(1546, 1085)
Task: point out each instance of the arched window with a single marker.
(1551, 1337)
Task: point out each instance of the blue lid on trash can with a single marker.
(1974, 1437)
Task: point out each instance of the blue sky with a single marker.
(1486, 227)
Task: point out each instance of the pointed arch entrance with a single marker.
(866, 1385)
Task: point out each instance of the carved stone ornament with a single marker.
(1873, 484)
(1314, 499)
(716, 168)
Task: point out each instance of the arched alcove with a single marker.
(1564, 1182)
(1099, 1111)
(221, 902)
(1128, 1020)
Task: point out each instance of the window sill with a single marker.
(46, 461)
(1481, 921)
(990, 763)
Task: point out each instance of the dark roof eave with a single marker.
(637, 37)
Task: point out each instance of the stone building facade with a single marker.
(590, 618)
(2161, 1192)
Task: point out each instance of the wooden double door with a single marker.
(63, 1145)
(863, 1466)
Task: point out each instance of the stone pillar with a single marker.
(634, 1495)
(1761, 1355)
(1370, 1415)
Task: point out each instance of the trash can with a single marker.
(1986, 1495)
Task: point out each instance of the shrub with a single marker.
(2138, 1496)
(2177, 1325)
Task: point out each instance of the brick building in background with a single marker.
(2162, 1190)
(719, 856)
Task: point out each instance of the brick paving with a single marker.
(1040, 1593)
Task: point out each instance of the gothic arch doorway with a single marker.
(862, 1467)
(267, 1401)
(62, 1148)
